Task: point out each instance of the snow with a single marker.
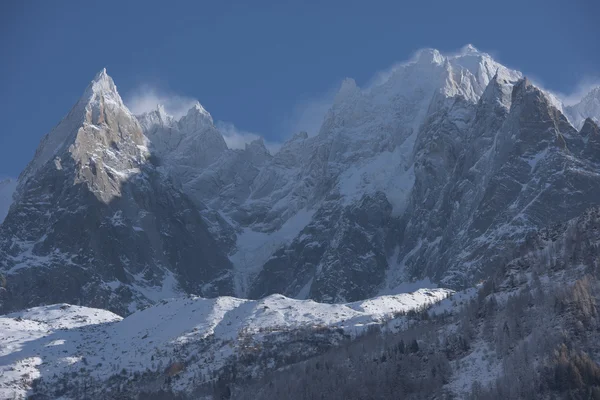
(100, 89)
(62, 339)
(587, 107)
(396, 280)
(401, 302)
(253, 248)
(388, 172)
(169, 287)
(536, 158)
(455, 302)
(23, 348)
(27, 259)
(481, 365)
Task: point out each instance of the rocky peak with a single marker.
(589, 128)
(303, 135)
(196, 119)
(96, 222)
(257, 152)
(98, 120)
(587, 107)
(103, 84)
(497, 94)
(540, 123)
(429, 56)
(162, 115)
(521, 89)
(292, 143)
(591, 132)
(469, 49)
(348, 89)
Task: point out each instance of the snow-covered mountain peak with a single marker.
(497, 92)
(102, 78)
(348, 88)
(590, 127)
(97, 119)
(303, 135)
(160, 110)
(257, 152)
(256, 146)
(196, 119)
(587, 107)
(592, 97)
(197, 108)
(102, 85)
(522, 88)
(429, 56)
(469, 49)
(526, 91)
(158, 116)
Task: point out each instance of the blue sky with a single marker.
(267, 67)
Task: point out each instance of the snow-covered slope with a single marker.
(200, 336)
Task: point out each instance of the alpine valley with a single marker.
(436, 239)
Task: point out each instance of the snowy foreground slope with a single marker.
(69, 347)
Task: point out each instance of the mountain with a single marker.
(96, 221)
(316, 184)
(530, 331)
(450, 170)
(587, 107)
(432, 175)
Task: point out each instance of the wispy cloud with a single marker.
(146, 97)
(238, 138)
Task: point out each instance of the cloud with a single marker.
(234, 137)
(146, 97)
(237, 138)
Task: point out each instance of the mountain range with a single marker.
(436, 176)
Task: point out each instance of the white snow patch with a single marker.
(167, 290)
(254, 248)
(387, 172)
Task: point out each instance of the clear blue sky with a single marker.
(257, 63)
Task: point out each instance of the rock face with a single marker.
(523, 167)
(436, 172)
(96, 222)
